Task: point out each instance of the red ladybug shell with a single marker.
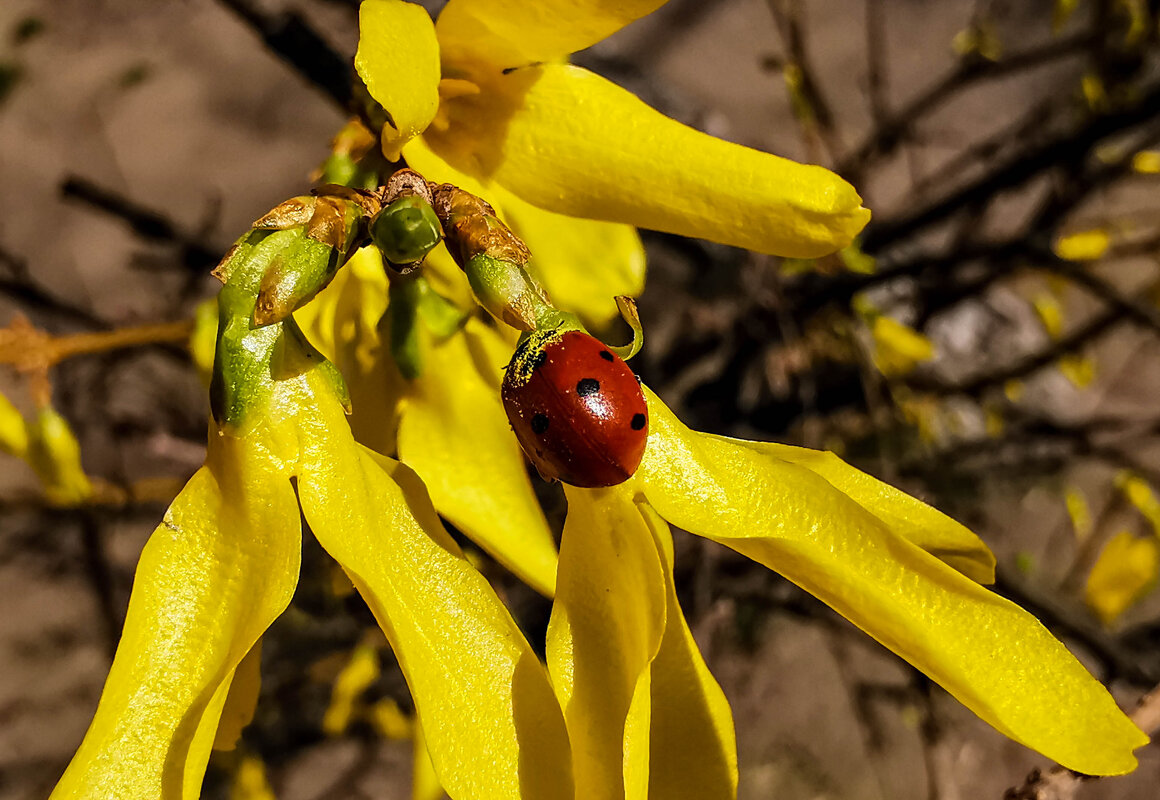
(576, 408)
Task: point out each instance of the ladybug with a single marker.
(576, 408)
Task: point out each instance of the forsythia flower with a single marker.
(484, 100)
(224, 563)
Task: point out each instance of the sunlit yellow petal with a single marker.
(1125, 571)
(568, 140)
(215, 573)
(510, 33)
(606, 626)
(493, 726)
(453, 431)
(242, 700)
(398, 60)
(693, 748)
(907, 516)
(990, 654)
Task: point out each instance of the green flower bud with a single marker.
(406, 231)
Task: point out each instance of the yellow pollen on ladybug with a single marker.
(529, 355)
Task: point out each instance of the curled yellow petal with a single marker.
(453, 431)
(987, 652)
(213, 576)
(508, 33)
(565, 139)
(607, 623)
(492, 723)
(909, 517)
(398, 60)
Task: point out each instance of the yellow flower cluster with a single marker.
(624, 706)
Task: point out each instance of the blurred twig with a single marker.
(295, 41)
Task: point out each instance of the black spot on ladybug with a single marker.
(539, 423)
(587, 386)
(638, 422)
(607, 356)
(538, 360)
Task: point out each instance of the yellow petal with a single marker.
(1146, 162)
(55, 455)
(242, 700)
(1050, 312)
(987, 652)
(424, 782)
(343, 323)
(693, 747)
(909, 517)
(583, 263)
(606, 627)
(398, 60)
(250, 781)
(1139, 493)
(211, 579)
(390, 721)
(1083, 245)
(13, 433)
(453, 431)
(508, 33)
(355, 678)
(491, 721)
(898, 348)
(1125, 571)
(565, 139)
(1078, 511)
